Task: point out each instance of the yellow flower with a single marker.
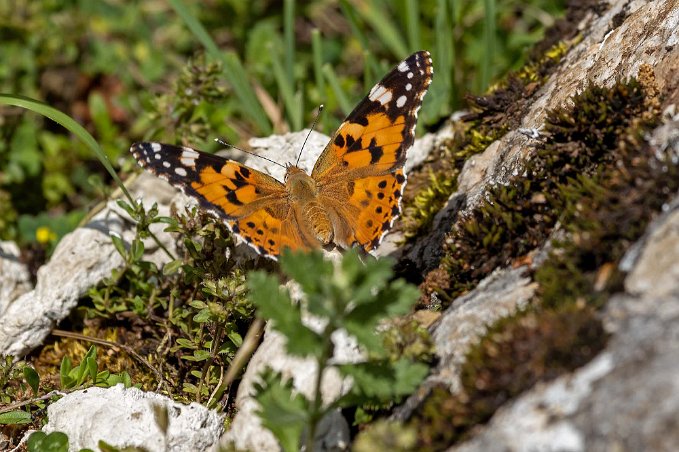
(45, 235)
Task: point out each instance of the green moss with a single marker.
(515, 353)
(406, 338)
(419, 213)
(385, 435)
(538, 70)
(562, 175)
(492, 116)
(433, 192)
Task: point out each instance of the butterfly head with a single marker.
(293, 171)
(299, 184)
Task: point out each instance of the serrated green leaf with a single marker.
(15, 417)
(276, 305)
(32, 378)
(377, 382)
(309, 269)
(395, 299)
(282, 411)
(365, 279)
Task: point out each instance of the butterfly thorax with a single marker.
(303, 194)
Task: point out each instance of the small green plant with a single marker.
(196, 300)
(58, 442)
(41, 441)
(88, 372)
(349, 295)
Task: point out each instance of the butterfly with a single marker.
(350, 199)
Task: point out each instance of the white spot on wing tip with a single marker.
(380, 94)
(180, 171)
(156, 147)
(403, 66)
(401, 101)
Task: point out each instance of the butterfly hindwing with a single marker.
(271, 229)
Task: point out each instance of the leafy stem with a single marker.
(317, 412)
(350, 296)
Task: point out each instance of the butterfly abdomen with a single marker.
(318, 220)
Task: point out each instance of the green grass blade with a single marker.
(369, 74)
(376, 15)
(454, 92)
(233, 68)
(287, 91)
(196, 28)
(443, 61)
(334, 83)
(489, 43)
(317, 49)
(413, 24)
(349, 13)
(238, 79)
(71, 125)
(317, 54)
(289, 38)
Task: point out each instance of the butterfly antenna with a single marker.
(313, 125)
(224, 143)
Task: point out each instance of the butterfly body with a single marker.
(350, 198)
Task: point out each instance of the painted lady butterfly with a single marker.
(353, 193)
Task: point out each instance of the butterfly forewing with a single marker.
(379, 131)
(253, 204)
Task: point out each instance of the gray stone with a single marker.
(499, 295)
(625, 399)
(14, 277)
(81, 259)
(132, 418)
(656, 270)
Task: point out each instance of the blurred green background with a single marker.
(187, 72)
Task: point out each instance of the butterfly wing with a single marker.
(253, 204)
(360, 172)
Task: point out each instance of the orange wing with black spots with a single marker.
(365, 158)
(253, 204)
